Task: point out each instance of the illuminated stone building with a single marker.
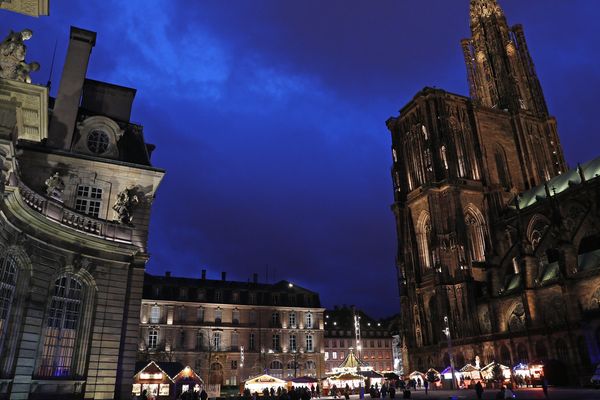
(229, 331)
(494, 231)
(77, 187)
(375, 342)
(34, 8)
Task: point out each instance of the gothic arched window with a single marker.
(475, 233)
(461, 154)
(541, 351)
(61, 326)
(522, 353)
(502, 168)
(505, 355)
(562, 351)
(8, 284)
(423, 239)
(444, 156)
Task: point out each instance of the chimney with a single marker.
(203, 274)
(223, 276)
(64, 115)
(255, 277)
(168, 274)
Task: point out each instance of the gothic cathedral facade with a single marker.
(494, 232)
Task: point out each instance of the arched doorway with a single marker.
(216, 374)
(522, 354)
(584, 355)
(541, 351)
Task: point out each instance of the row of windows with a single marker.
(214, 340)
(365, 355)
(364, 333)
(275, 321)
(366, 343)
(377, 366)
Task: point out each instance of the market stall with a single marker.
(353, 380)
(447, 377)
(528, 374)
(304, 381)
(156, 379)
(261, 382)
(375, 378)
(187, 380)
(487, 372)
(471, 373)
(418, 376)
(434, 377)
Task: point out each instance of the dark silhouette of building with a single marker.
(494, 231)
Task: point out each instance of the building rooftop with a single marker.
(282, 293)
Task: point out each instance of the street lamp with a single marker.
(449, 338)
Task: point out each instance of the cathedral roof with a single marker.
(560, 183)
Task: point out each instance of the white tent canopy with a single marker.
(259, 383)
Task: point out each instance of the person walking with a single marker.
(426, 386)
(479, 390)
(545, 386)
(392, 392)
(384, 390)
(203, 394)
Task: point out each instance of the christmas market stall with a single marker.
(447, 377)
(156, 379)
(470, 375)
(304, 381)
(434, 377)
(418, 377)
(187, 380)
(262, 382)
(492, 371)
(374, 378)
(353, 380)
(528, 374)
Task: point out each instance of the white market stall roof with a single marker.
(261, 382)
(486, 371)
(415, 374)
(470, 371)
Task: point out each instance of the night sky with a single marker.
(269, 117)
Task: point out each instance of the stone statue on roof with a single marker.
(12, 57)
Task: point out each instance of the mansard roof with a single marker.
(282, 293)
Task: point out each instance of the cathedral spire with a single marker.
(484, 9)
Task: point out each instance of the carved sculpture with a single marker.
(12, 57)
(55, 186)
(126, 202)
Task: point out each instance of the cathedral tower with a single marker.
(458, 164)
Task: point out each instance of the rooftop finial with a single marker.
(485, 8)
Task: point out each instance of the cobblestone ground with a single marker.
(521, 394)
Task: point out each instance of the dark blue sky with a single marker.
(269, 119)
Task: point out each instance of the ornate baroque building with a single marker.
(76, 192)
(34, 8)
(229, 331)
(493, 231)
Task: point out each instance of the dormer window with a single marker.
(97, 141)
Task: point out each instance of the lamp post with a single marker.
(449, 338)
